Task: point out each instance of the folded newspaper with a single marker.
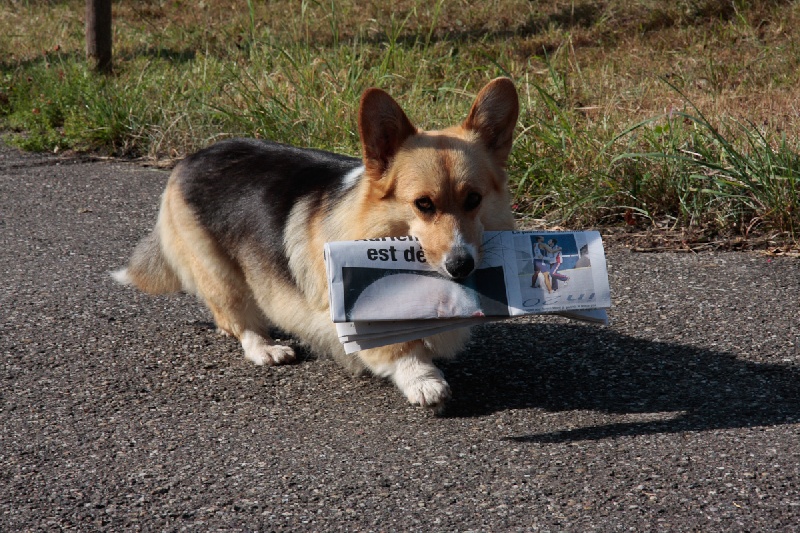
(382, 291)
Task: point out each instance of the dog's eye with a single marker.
(425, 205)
(473, 200)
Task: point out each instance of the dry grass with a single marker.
(730, 61)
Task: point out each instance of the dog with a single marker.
(242, 225)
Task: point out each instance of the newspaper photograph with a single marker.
(383, 291)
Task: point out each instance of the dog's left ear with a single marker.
(383, 127)
(494, 116)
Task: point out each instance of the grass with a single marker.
(721, 182)
(635, 113)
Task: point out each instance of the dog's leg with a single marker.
(204, 269)
(263, 349)
(421, 382)
(236, 314)
(410, 366)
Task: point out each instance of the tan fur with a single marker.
(402, 165)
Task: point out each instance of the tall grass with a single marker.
(730, 176)
(62, 105)
(558, 159)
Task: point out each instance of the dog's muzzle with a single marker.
(459, 263)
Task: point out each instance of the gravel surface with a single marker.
(121, 411)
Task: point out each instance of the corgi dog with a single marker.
(243, 222)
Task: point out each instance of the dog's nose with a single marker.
(459, 263)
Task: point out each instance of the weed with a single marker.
(731, 176)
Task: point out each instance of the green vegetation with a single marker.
(678, 116)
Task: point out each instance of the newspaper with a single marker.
(382, 291)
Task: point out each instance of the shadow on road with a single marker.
(576, 367)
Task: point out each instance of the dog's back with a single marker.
(245, 190)
(227, 187)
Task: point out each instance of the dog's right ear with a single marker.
(383, 127)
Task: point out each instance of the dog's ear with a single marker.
(494, 116)
(383, 127)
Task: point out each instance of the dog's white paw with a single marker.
(281, 354)
(421, 382)
(428, 392)
(262, 352)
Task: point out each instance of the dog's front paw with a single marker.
(428, 392)
(421, 382)
(262, 352)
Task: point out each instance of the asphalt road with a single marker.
(121, 411)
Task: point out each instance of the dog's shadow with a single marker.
(560, 367)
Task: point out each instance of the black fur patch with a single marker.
(244, 189)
